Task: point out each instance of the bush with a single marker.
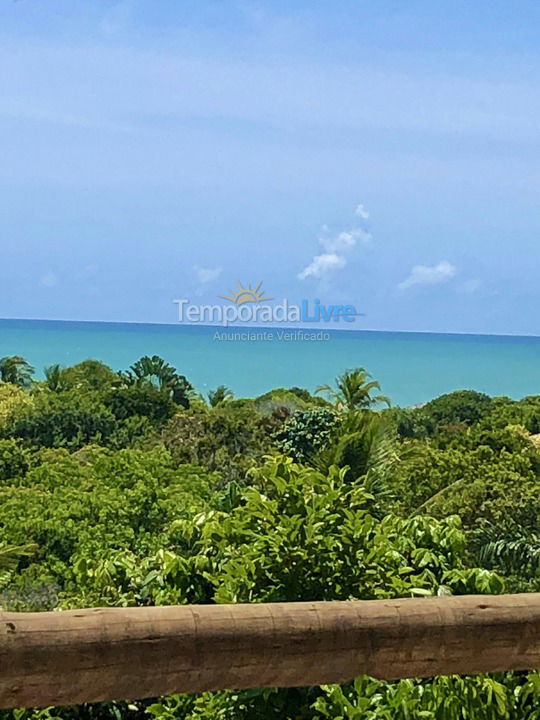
(306, 432)
(14, 460)
(94, 515)
(88, 375)
(141, 400)
(65, 419)
(14, 403)
(298, 534)
(462, 406)
(227, 439)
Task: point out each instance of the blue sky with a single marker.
(384, 154)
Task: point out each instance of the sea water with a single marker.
(411, 367)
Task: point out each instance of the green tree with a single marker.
(139, 400)
(306, 432)
(55, 378)
(299, 534)
(90, 375)
(365, 445)
(86, 376)
(154, 370)
(14, 404)
(95, 515)
(14, 459)
(220, 396)
(353, 391)
(16, 370)
(227, 439)
(438, 499)
(462, 406)
(65, 419)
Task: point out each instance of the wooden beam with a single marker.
(77, 656)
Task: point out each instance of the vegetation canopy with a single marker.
(130, 489)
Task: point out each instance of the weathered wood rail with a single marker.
(64, 658)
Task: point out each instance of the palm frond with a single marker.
(517, 553)
(11, 554)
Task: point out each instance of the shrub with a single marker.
(306, 432)
(65, 419)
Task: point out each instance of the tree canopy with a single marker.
(127, 489)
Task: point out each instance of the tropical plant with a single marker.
(16, 370)
(14, 404)
(154, 370)
(462, 406)
(227, 439)
(55, 378)
(515, 552)
(87, 376)
(95, 515)
(299, 534)
(66, 419)
(306, 432)
(220, 396)
(112, 495)
(10, 555)
(502, 697)
(353, 391)
(141, 400)
(14, 459)
(365, 445)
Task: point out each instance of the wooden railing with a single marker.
(78, 656)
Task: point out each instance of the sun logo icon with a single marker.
(246, 294)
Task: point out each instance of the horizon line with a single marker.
(312, 328)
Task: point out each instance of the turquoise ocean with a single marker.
(411, 367)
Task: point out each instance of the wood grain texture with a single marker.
(65, 658)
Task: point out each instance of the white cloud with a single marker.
(321, 264)
(335, 249)
(206, 275)
(361, 212)
(429, 275)
(345, 240)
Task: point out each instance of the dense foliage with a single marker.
(130, 489)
